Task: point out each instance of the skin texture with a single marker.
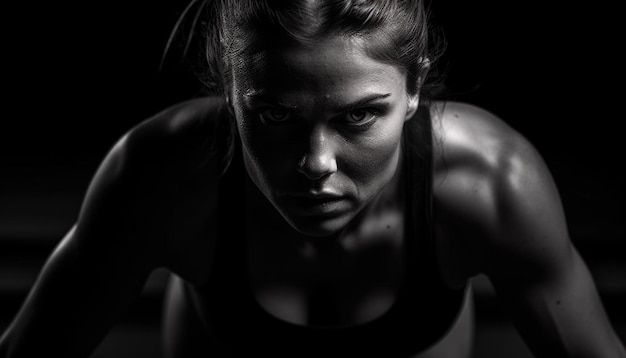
(150, 205)
(319, 146)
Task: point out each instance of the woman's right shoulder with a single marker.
(184, 116)
(180, 138)
(189, 125)
(171, 149)
(159, 180)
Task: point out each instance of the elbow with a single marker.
(5, 351)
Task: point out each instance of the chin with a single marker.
(319, 226)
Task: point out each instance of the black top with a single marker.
(424, 309)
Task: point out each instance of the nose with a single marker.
(319, 159)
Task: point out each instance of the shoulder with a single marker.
(177, 140)
(153, 180)
(466, 134)
(186, 125)
(478, 154)
(172, 142)
(490, 181)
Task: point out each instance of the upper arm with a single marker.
(537, 271)
(91, 277)
(99, 268)
(498, 180)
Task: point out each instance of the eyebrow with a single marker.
(262, 97)
(363, 101)
(259, 96)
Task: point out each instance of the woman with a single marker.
(318, 205)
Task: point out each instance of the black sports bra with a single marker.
(423, 312)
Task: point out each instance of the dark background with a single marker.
(77, 75)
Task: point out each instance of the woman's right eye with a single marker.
(275, 115)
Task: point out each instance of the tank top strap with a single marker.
(417, 154)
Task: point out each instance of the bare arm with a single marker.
(499, 189)
(538, 273)
(148, 206)
(559, 313)
(536, 270)
(92, 276)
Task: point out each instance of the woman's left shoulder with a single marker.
(498, 212)
(473, 141)
(491, 179)
(470, 135)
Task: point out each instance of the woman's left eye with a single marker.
(360, 117)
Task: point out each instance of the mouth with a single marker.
(323, 203)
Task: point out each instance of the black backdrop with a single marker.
(77, 75)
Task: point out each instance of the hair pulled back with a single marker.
(397, 32)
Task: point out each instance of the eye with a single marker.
(360, 116)
(275, 115)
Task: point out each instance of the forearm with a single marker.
(565, 317)
(75, 301)
(58, 320)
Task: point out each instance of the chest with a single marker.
(361, 277)
(357, 279)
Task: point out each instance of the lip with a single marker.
(323, 195)
(320, 203)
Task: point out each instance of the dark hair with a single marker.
(398, 32)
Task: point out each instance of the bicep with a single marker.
(538, 273)
(92, 276)
(501, 203)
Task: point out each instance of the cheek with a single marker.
(376, 156)
(375, 162)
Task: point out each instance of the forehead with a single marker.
(333, 65)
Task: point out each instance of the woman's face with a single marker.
(320, 128)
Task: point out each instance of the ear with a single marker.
(413, 103)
